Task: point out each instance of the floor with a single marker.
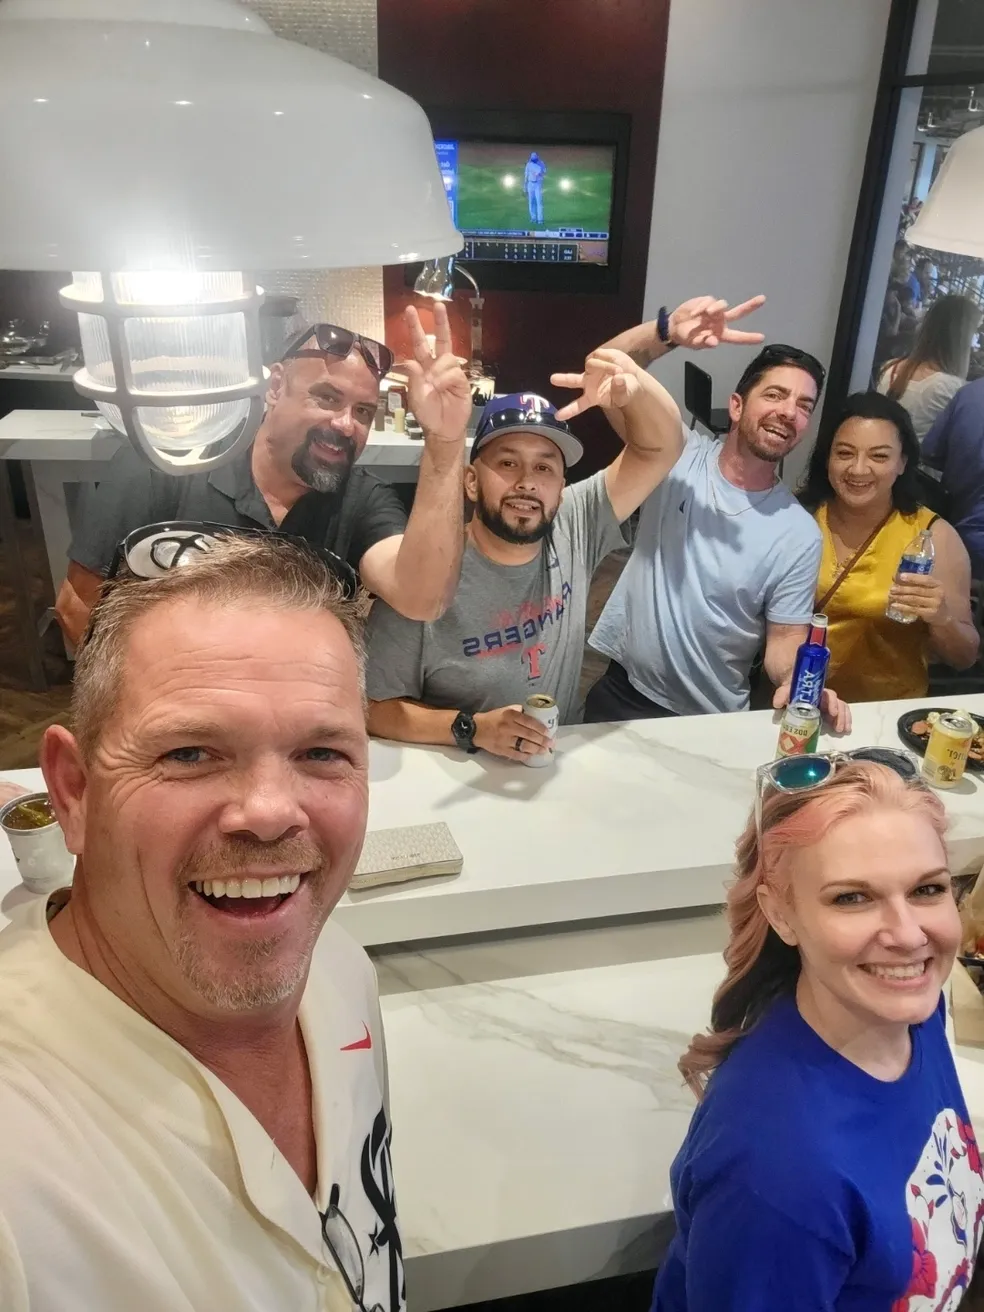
(24, 715)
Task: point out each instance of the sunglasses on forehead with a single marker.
(807, 773)
(154, 550)
(778, 353)
(338, 343)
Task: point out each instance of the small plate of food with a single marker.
(916, 726)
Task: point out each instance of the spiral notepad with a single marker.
(394, 856)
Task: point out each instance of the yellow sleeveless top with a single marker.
(871, 657)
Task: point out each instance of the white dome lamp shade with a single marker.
(165, 149)
(952, 217)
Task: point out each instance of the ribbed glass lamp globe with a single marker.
(164, 354)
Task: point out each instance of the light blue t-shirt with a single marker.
(711, 563)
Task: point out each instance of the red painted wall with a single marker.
(538, 55)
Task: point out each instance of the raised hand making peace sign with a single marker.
(704, 322)
(440, 394)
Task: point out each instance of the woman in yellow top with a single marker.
(862, 487)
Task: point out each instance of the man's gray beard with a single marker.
(257, 979)
(328, 479)
(252, 989)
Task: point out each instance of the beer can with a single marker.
(43, 861)
(799, 730)
(947, 749)
(540, 706)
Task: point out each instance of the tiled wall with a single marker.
(347, 29)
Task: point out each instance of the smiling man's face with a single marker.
(225, 805)
(319, 412)
(776, 412)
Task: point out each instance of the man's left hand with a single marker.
(837, 713)
(610, 379)
(704, 322)
(440, 394)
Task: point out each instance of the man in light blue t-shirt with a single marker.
(725, 560)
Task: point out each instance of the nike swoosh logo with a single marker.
(360, 1045)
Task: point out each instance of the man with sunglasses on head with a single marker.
(725, 559)
(300, 476)
(517, 622)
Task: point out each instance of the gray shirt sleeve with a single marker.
(587, 518)
(395, 646)
(129, 495)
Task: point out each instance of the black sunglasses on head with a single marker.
(155, 549)
(338, 343)
(778, 353)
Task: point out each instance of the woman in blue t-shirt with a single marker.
(830, 1166)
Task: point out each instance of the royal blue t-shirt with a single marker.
(806, 1185)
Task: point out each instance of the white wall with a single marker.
(767, 107)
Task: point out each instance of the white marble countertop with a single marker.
(634, 818)
(73, 435)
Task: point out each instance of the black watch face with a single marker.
(463, 729)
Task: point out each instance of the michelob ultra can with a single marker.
(541, 706)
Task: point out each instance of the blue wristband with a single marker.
(663, 328)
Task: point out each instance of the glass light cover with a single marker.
(184, 353)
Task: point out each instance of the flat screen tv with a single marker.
(539, 198)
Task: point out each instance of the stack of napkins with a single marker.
(393, 856)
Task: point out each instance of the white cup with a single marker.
(43, 861)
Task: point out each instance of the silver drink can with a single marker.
(43, 861)
(540, 706)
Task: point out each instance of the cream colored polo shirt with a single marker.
(133, 1180)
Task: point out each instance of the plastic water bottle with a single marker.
(917, 558)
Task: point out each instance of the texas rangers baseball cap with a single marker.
(525, 412)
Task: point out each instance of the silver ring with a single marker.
(519, 744)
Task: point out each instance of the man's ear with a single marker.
(276, 384)
(471, 484)
(735, 407)
(774, 911)
(65, 779)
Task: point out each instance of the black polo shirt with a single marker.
(133, 493)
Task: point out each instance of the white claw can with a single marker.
(540, 706)
(43, 861)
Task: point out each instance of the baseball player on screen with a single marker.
(533, 177)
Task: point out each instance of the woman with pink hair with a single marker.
(831, 1165)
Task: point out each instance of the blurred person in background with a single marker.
(926, 379)
(864, 490)
(955, 446)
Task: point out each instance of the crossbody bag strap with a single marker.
(825, 599)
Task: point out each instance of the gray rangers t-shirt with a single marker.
(512, 630)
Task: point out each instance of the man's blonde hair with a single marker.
(238, 572)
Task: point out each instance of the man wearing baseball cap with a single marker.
(517, 623)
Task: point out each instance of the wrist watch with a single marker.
(463, 732)
(663, 328)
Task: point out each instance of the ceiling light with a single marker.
(952, 218)
(166, 215)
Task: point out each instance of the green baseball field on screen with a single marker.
(577, 188)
